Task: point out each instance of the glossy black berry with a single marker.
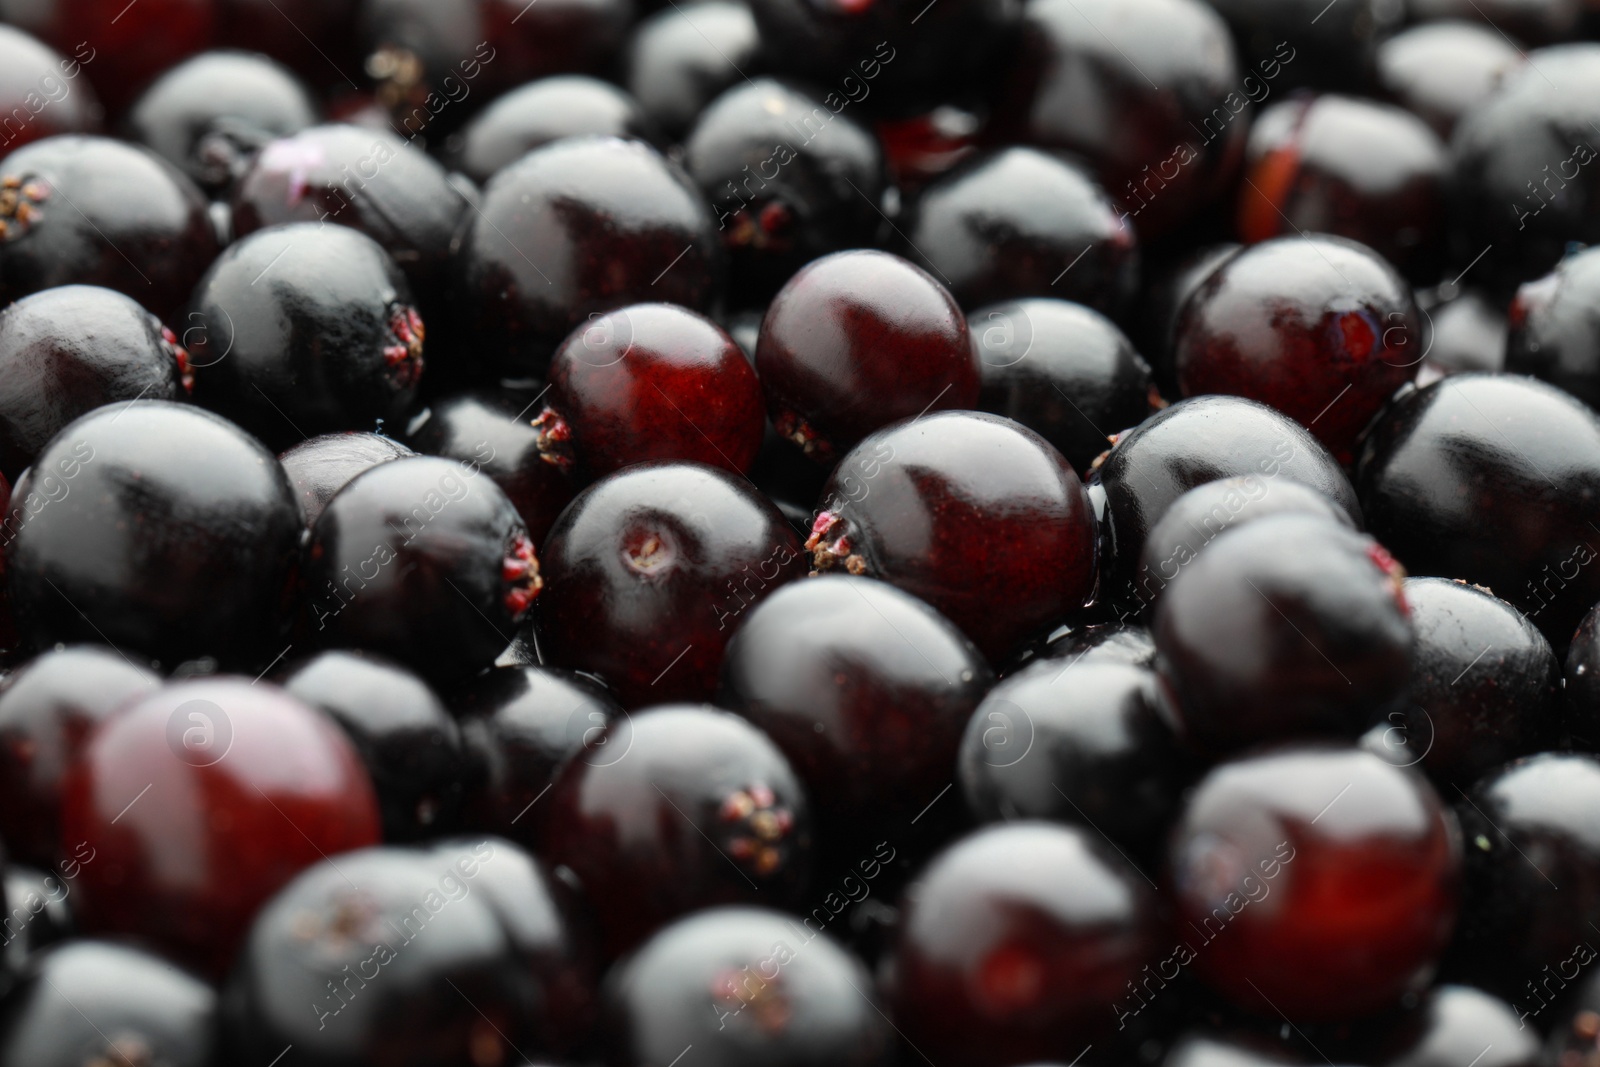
(369, 180)
(495, 434)
(1532, 872)
(738, 984)
(680, 58)
(1064, 371)
(566, 105)
(1485, 686)
(1017, 941)
(1302, 174)
(409, 743)
(577, 227)
(305, 329)
(648, 571)
(423, 560)
(219, 534)
(1523, 179)
(1464, 331)
(1020, 222)
(321, 466)
(1289, 625)
(865, 688)
(1441, 70)
(41, 94)
(95, 1002)
(1195, 441)
(1512, 513)
(917, 505)
(519, 726)
(673, 809)
(1454, 1025)
(1197, 517)
(1296, 44)
(1155, 326)
(1555, 328)
(48, 709)
(209, 114)
(93, 211)
(66, 351)
(1115, 642)
(1155, 117)
(789, 178)
(405, 957)
(1077, 741)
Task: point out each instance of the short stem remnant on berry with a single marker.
(758, 828)
(520, 572)
(19, 204)
(555, 439)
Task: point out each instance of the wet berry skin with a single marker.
(305, 329)
(519, 726)
(1302, 176)
(1360, 862)
(1524, 177)
(93, 211)
(1582, 684)
(741, 985)
(1020, 222)
(858, 340)
(219, 535)
(208, 115)
(1094, 750)
(788, 180)
(66, 351)
(1555, 329)
(648, 571)
(368, 180)
(1290, 625)
(239, 788)
(1485, 685)
(865, 688)
(37, 96)
(422, 560)
(406, 738)
(89, 1002)
(1293, 44)
(533, 115)
(484, 431)
(48, 710)
(578, 227)
(918, 505)
(651, 382)
(1320, 328)
(1114, 642)
(1533, 872)
(1154, 117)
(1064, 371)
(1493, 479)
(680, 59)
(1015, 942)
(1199, 516)
(454, 957)
(1155, 327)
(1439, 71)
(321, 466)
(673, 809)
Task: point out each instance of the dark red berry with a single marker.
(1286, 626)
(533, 115)
(650, 569)
(865, 688)
(858, 340)
(66, 351)
(1314, 883)
(651, 382)
(1016, 943)
(674, 809)
(1320, 328)
(200, 801)
(918, 505)
(48, 710)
